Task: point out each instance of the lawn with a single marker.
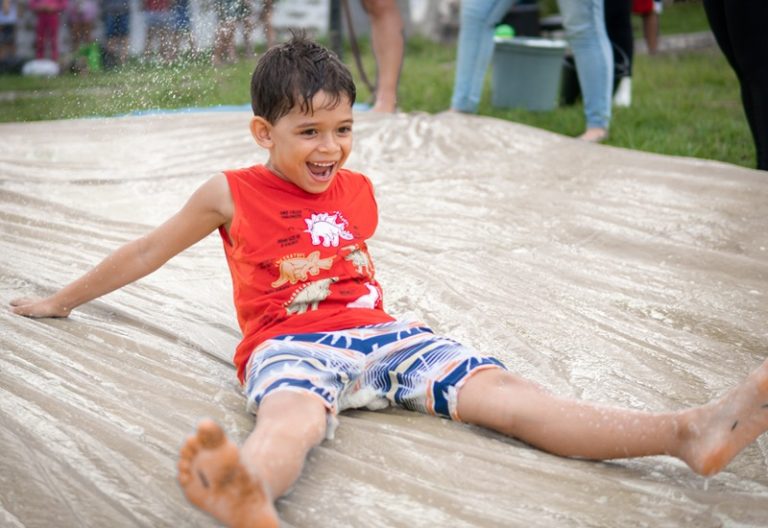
(684, 104)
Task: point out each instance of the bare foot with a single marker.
(386, 105)
(214, 480)
(717, 432)
(594, 135)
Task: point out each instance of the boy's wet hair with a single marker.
(292, 73)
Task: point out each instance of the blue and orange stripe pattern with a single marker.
(402, 363)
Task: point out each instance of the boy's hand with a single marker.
(38, 308)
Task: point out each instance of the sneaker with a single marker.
(623, 96)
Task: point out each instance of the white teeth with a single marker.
(321, 171)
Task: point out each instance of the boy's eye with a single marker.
(308, 132)
(345, 129)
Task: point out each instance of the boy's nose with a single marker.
(329, 143)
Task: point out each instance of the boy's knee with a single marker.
(291, 414)
(489, 380)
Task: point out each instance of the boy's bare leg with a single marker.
(388, 47)
(239, 486)
(705, 437)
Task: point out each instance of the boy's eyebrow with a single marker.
(305, 124)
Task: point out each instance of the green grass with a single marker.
(683, 104)
(136, 87)
(686, 105)
(681, 17)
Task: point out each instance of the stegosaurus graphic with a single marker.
(309, 296)
(297, 267)
(327, 229)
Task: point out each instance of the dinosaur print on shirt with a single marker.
(297, 267)
(326, 229)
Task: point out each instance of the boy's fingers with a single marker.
(20, 310)
(23, 307)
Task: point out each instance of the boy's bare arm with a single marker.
(207, 209)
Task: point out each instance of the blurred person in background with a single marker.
(81, 17)
(649, 10)
(181, 27)
(739, 28)
(228, 12)
(48, 20)
(388, 42)
(584, 23)
(159, 20)
(9, 19)
(116, 17)
(618, 23)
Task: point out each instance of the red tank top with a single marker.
(299, 261)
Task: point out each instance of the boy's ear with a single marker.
(261, 130)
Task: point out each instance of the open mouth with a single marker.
(321, 171)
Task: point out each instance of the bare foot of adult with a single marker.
(594, 135)
(385, 104)
(717, 432)
(214, 479)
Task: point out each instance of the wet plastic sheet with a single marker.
(601, 273)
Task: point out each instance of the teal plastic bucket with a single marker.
(526, 72)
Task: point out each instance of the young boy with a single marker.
(316, 339)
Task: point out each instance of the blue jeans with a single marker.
(585, 28)
(584, 22)
(477, 21)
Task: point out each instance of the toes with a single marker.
(190, 449)
(187, 453)
(208, 438)
(210, 434)
(213, 479)
(184, 476)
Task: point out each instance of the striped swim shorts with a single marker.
(401, 363)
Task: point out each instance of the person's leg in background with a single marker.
(584, 23)
(618, 23)
(651, 27)
(388, 41)
(49, 23)
(116, 30)
(43, 31)
(738, 26)
(265, 19)
(474, 50)
(54, 35)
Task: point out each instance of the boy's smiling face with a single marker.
(308, 149)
